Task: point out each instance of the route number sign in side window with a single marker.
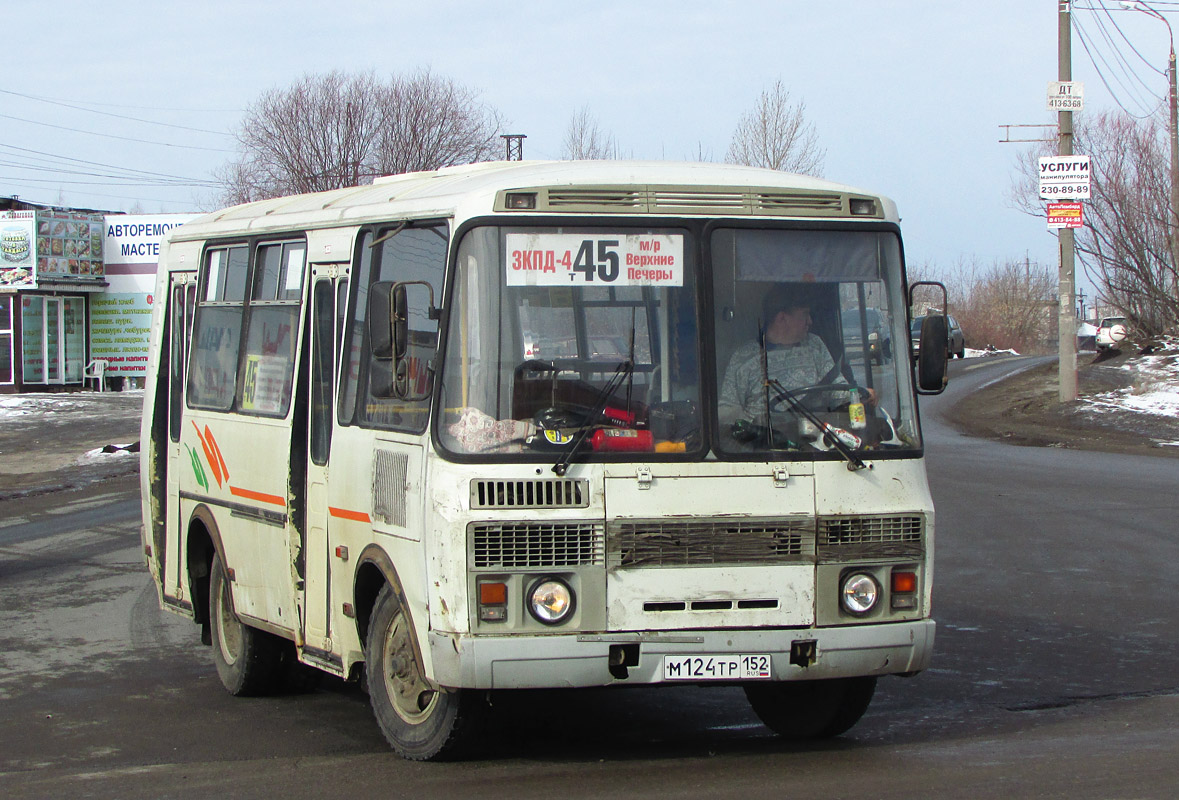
(594, 259)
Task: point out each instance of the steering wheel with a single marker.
(804, 391)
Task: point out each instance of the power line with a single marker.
(114, 177)
(109, 114)
(79, 161)
(112, 136)
(1111, 72)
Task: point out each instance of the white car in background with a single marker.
(1111, 332)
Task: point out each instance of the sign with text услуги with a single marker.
(1064, 178)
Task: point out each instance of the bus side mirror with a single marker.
(933, 355)
(389, 335)
(380, 319)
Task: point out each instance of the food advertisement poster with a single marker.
(17, 256)
(38, 245)
(69, 245)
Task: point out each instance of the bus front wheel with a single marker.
(420, 721)
(247, 659)
(811, 709)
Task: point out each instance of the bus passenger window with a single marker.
(217, 329)
(272, 329)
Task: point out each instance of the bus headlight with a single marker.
(550, 600)
(859, 593)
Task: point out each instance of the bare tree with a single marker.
(776, 134)
(335, 130)
(432, 122)
(584, 140)
(1126, 245)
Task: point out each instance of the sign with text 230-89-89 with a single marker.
(1064, 177)
(595, 259)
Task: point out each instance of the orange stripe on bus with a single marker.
(261, 497)
(355, 516)
(217, 452)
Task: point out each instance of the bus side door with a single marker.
(329, 292)
(181, 305)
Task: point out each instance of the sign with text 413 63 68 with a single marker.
(594, 259)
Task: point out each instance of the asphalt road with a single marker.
(1054, 673)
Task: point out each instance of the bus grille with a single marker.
(765, 201)
(853, 538)
(540, 493)
(661, 543)
(532, 545)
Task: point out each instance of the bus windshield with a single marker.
(590, 339)
(811, 343)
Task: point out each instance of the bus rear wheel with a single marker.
(421, 722)
(247, 659)
(811, 709)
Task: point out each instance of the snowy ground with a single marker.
(1153, 389)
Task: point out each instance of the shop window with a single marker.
(7, 373)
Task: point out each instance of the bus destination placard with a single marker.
(594, 259)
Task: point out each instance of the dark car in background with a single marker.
(955, 340)
(871, 328)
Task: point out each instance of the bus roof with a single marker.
(576, 187)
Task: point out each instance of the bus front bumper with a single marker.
(557, 661)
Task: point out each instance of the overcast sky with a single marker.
(907, 96)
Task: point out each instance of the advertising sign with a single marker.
(136, 238)
(1064, 177)
(1066, 96)
(119, 329)
(1066, 215)
(69, 245)
(17, 254)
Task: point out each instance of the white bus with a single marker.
(521, 425)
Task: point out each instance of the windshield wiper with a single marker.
(624, 369)
(830, 435)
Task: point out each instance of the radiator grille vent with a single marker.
(768, 202)
(551, 493)
(620, 199)
(657, 543)
(764, 201)
(847, 538)
(533, 545)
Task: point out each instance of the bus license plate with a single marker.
(716, 668)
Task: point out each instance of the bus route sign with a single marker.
(602, 259)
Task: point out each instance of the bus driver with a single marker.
(794, 357)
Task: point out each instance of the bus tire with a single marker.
(420, 722)
(247, 659)
(811, 709)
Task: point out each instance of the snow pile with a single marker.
(67, 404)
(989, 351)
(1154, 389)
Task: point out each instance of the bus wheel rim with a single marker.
(229, 633)
(410, 696)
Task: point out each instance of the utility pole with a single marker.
(1066, 308)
